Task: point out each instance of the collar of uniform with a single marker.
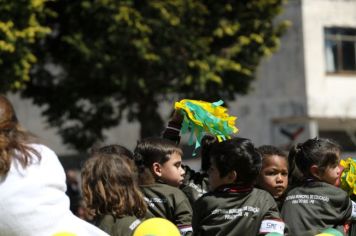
(234, 188)
(311, 180)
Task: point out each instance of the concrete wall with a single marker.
(279, 91)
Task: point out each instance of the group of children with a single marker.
(241, 189)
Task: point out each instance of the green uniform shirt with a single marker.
(315, 206)
(168, 202)
(236, 211)
(118, 226)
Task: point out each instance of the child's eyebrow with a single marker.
(274, 168)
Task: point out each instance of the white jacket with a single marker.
(33, 200)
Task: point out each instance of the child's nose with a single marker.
(279, 178)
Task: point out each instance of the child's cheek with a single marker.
(337, 183)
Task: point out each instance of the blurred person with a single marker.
(73, 190)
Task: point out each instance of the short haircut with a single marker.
(237, 154)
(270, 150)
(151, 150)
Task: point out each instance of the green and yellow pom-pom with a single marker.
(348, 176)
(201, 116)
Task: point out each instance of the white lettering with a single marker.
(272, 226)
(236, 212)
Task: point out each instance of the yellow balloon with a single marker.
(157, 227)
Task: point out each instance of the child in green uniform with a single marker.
(274, 172)
(317, 204)
(234, 206)
(160, 173)
(195, 183)
(110, 190)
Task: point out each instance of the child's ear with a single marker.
(314, 171)
(157, 170)
(232, 176)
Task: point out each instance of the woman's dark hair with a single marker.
(13, 138)
(317, 151)
(109, 184)
(237, 154)
(149, 151)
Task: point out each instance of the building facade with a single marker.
(307, 88)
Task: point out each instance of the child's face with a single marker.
(331, 174)
(215, 180)
(274, 175)
(172, 172)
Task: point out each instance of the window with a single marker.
(340, 50)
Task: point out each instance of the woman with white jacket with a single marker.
(32, 185)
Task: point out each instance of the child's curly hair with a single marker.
(109, 184)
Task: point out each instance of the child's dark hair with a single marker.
(206, 143)
(237, 154)
(109, 186)
(270, 150)
(149, 151)
(317, 151)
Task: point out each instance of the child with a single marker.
(274, 172)
(32, 185)
(195, 183)
(160, 174)
(234, 207)
(317, 204)
(110, 191)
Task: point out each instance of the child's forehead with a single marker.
(273, 156)
(271, 159)
(175, 155)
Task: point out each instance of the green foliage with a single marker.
(20, 29)
(107, 58)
